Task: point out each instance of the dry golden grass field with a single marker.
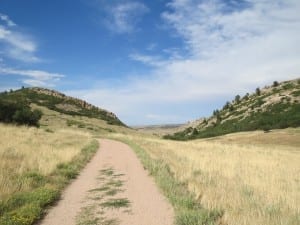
(253, 177)
(26, 150)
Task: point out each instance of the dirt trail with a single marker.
(113, 189)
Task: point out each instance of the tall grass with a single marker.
(24, 150)
(35, 166)
(252, 184)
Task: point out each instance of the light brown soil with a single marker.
(147, 206)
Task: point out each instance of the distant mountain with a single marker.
(59, 102)
(272, 107)
(159, 130)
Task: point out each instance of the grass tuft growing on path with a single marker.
(105, 197)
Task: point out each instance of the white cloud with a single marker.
(16, 45)
(147, 59)
(123, 17)
(151, 47)
(37, 83)
(232, 50)
(22, 47)
(7, 20)
(207, 28)
(36, 77)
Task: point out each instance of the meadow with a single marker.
(26, 149)
(252, 177)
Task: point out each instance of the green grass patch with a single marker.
(187, 209)
(89, 216)
(296, 93)
(86, 216)
(112, 192)
(107, 172)
(93, 214)
(25, 208)
(115, 183)
(104, 188)
(116, 203)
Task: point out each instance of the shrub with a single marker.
(237, 98)
(246, 97)
(275, 84)
(226, 106)
(257, 91)
(28, 117)
(19, 113)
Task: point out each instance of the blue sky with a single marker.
(150, 62)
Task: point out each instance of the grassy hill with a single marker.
(272, 107)
(60, 103)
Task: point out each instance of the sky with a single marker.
(150, 62)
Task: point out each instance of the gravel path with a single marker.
(113, 189)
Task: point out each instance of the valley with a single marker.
(239, 178)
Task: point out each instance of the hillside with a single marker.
(272, 107)
(59, 102)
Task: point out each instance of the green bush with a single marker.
(19, 113)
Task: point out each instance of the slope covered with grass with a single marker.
(59, 102)
(273, 107)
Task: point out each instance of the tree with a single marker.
(226, 106)
(257, 91)
(246, 97)
(27, 117)
(237, 98)
(216, 112)
(195, 132)
(275, 84)
(19, 113)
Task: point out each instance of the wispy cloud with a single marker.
(147, 59)
(210, 27)
(232, 50)
(123, 17)
(16, 44)
(20, 46)
(7, 20)
(33, 77)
